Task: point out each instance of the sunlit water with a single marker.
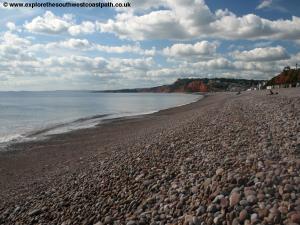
(31, 115)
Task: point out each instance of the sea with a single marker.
(27, 116)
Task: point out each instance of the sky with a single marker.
(150, 43)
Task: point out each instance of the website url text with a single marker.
(65, 4)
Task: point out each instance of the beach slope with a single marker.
(226, 159)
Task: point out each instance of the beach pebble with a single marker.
(232, 161)
(34, 212)
(98, 223)
(219, 171)
(295, 217)
(200, 210)
(191, 220)
(108, 220)
(234, 199)
(251, 199)
(254, 218)
(243, 215)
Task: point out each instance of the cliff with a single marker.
(198, 85)
(286, 77)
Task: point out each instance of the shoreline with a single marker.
(29, 154)
(198, 162)
(48, 131)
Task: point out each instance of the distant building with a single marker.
(252, 89)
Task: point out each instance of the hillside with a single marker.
(198, 85)
(286, 77)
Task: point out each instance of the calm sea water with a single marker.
(31, 115)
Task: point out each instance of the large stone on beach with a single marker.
(34, 212)
(224, 203)
(108, 220)
(254, 218)
(243, 215)
(191, 220)
(98, 223)
(211, 208)
(219, 171)
(235, 222)
(234, 199)
(262, 213)
(132, 222)
(295, 217)
(251, 199)
(218, 219)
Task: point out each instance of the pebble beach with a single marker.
(226, 159)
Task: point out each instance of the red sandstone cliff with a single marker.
(286, 77)
(197, 86)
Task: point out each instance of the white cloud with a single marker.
(118, 49)
(253, 27)
(127, 65)
(20, 62)
(85, 27)
(155, 25)
(219, 64)
(15, 58)
(198, 69)
(75, 62)
(292, 61)
(264, 4)
(11, 26)
(23, 63)
(262, 54)
(84, 61)
(76, 66)
(218, 67)
(169, 24)
(84, 45)
(193, 19)
(202, 49)
(12, 39)
(266, 69)
(178, 21)
(49, 24)
(121, 49)
(271, 5)
(75, 43)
